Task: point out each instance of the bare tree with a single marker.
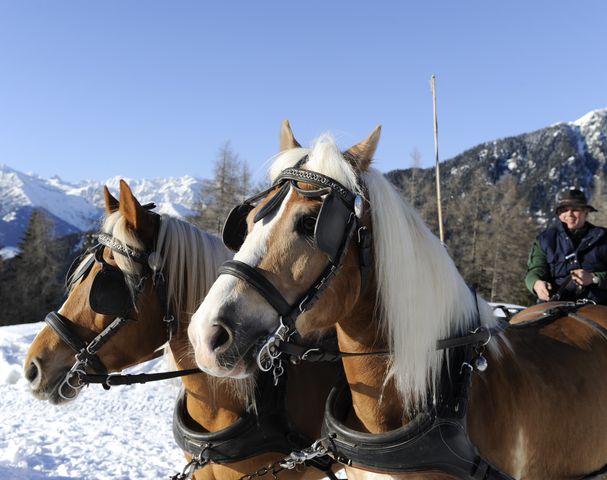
(230, 185)
(416, 162)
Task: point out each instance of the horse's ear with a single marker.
(111, 204)
(362, 153)
(287, 139)
(135, 215)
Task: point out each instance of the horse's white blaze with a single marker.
(247, 304)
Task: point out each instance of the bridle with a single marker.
(109, 295)
(338, 223)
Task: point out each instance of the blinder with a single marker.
(235, 227)
(78, 271)
(333, 219)
(109, 293)
(330, 229)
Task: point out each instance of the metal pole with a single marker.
(438, 196)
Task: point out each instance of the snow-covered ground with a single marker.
(123, 433)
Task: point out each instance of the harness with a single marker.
(339, 219)
(436, 438)
(267, 430)
(109, 295)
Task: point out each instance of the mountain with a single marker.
(542, 163)
(78, 207)
(497, 196)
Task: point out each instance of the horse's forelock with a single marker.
(324, 157)
(422, 296)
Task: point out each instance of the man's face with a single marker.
(574, 218)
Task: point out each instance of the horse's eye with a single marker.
(307, 225)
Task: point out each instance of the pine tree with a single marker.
(35, 286)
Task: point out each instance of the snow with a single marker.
(8, 252)
(123, 433)
(80, 205)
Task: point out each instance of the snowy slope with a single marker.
(123, 433)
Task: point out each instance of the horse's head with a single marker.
(113, 280)
(288, 239)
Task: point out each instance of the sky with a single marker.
(145, 89)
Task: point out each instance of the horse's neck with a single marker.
(212, 404)
(377, 405)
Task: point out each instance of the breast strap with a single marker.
(268, 430)
(434, 440)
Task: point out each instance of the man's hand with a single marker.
(542, 290)
(582, 277)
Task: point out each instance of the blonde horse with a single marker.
(121, 279)
(438, 388)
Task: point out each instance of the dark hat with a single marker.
(573, 198)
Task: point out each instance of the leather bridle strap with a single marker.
(63, 327)
(259, 282)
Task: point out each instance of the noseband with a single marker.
(340, 217)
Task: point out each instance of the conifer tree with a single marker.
(35, 286)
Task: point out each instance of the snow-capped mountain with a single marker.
(78, 207)
(543, 163)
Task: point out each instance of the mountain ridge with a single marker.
(543, 162)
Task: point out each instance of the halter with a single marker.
(340, 217)
(109, 295)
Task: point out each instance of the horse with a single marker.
(436, 386)
(153, 271)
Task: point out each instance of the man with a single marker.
(569, 261)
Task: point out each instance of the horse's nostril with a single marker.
(31, 372)
(220, 339)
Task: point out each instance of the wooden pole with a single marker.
(438, 196)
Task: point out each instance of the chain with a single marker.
(268, 357)
(193, 465)
(291, 461)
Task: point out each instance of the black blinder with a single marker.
(110, 294)
(331, 225)
(74, 273)
(235, 227)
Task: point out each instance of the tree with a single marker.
(34, 286)
(416, 162)
(230, 186)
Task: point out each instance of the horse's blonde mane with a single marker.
(422, 298)
(189, 259)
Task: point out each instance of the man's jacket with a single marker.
(561, 252)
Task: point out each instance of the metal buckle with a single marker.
(77, 370)
(268, 356)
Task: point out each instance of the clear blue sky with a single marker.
(92, 89)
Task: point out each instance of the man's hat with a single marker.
(573, 198)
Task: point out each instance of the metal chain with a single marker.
(196, 463)
(291, 461)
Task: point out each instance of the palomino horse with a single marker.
(438, 387)
(222, 421)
